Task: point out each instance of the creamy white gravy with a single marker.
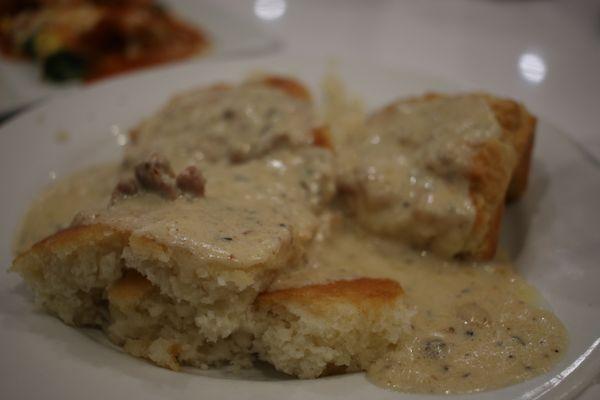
(470, 318)
(251, 214)
(56, 206)
(234, 124)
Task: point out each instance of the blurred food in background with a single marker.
(92, 39)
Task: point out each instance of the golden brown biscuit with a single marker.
(336, 327)
(432, 171)
(162, 268)
(519, 126)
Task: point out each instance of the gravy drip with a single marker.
(470, 318)
(55, 207)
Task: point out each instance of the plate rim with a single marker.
(106, 86)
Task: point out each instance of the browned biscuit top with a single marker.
(357, 291)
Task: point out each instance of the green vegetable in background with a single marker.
(28, 47)
(63, 66)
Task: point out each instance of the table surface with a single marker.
(545, 53)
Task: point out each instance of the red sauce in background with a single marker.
(130, 35)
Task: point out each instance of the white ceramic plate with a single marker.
(552, 234)
(20, 81)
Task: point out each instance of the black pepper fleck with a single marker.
(470, 333)
(229, 239)
(229, 114)
(519, 340)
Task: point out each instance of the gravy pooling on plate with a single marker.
(475, 325)
(470, 318)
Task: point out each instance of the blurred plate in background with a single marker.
(231, 37)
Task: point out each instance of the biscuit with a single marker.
(223, 122)
(432, 171)
(336, 327)
(207, 257)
